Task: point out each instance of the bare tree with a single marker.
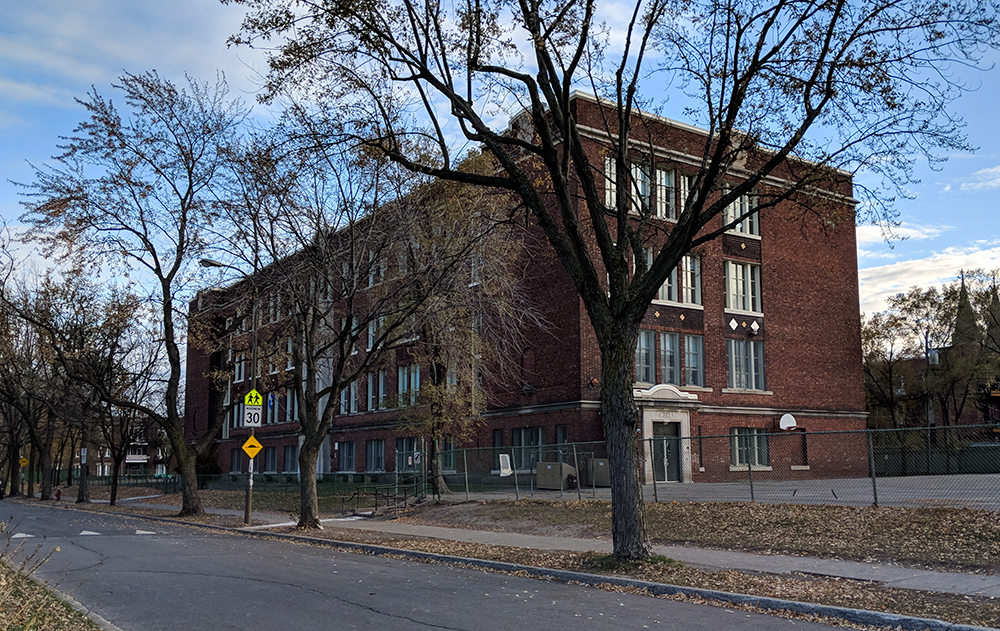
(354, 258)
(136, 192)
(836, 85)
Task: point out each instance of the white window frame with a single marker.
(645, 357)
(408, 384)
(240, 367)
(745, 365)
(743, 291)
(690, 279)
(694, 360)
(375, 455)
(666, 201)
(668, 290)
(670, 356)
(640, 188)
(610, 191)
(750, 225)
(348, 457)
(749, 446)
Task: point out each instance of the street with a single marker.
(144, 575)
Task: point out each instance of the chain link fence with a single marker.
(937, 466)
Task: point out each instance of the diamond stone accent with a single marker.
(733, 324)
(755, 326)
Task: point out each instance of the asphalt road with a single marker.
(149, 576)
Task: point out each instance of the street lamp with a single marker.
(248, 504)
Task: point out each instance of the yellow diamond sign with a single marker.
(24, 462)
(253, 398)
(252, 447)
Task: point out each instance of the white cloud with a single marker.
(870, 235)
(880, 282)
(983, 179)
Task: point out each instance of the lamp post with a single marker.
(248, 503)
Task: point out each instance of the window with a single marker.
(271, 413)
(694, 360)
(238, 413)
(691, 280)
(449, 457)
(668, 290)
(291, 405)
(347, 461)
(235, 460)
(406, 449)
(525, 443)
(666, 207)
(670, 369)
(749, 225)
(375, 455)
(640, 189)
(609, 182)
(743, 286)
(291, 459)
(745, 364)
(408, 384)
(272, 350)
(372, 333)
(290, 360)
(382, 377)
(684, 186)
(373, 399)
(748, 446)
(497, 447)
(644, 368)
(349, 399)
(240, 367)
(562, 438)
(374, 269)
(270, 460)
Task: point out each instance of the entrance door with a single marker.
(666, 452)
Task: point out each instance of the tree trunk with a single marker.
(116, 468)
(437, 475)
(32, 466)
(83, 488)
(308, 500)
(188, 470)
(69, 464)
(618, 414)
(50, 436)
(12, 468)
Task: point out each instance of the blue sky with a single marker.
(52, 51)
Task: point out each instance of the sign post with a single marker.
(252, 447)
(252, 406)
(24, 463)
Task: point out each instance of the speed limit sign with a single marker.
(251, 416)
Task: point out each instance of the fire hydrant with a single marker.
(58, 495)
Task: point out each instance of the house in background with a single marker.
(752, 326)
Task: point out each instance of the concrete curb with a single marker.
(857, 616)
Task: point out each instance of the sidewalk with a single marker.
(889, 575)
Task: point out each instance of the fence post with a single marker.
(871, 466)
(750, 476)
(465, 460)
(576, 465)
(513, 465)
(652, 466)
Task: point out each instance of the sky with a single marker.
(53, 51)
